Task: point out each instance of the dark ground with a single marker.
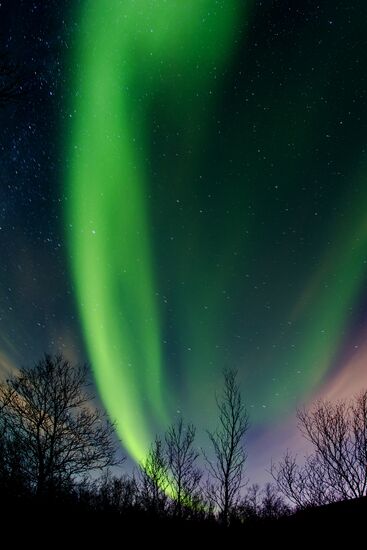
(336, 525)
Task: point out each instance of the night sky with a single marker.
(184, 189)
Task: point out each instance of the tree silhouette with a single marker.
(337, 468)
(181, 459)
(47, 415)
(249, 507)
(154, 480)
(272, 503)
(227, 466)
(116, 493)
(13, 482)
(261, 504)
(305, 486)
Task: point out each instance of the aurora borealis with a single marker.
(109, 220)
(204, 178)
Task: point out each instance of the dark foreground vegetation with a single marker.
(59, 458)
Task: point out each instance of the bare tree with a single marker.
(184, 474)
(49, 417)
(13, 482)
(154, 479)
(359, 431)
(267, 503)
(338, 432)
(272, 503)
(337, 468)
(227, 466)
(304, 486)
(249, 508)
(116, 493)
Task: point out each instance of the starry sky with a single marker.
(183, 189)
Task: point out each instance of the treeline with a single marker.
(58, 450)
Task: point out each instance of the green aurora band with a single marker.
(127, 59)
(108, 228)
